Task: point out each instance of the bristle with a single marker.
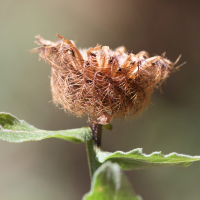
(102, 83)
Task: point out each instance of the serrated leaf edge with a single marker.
(103, 155)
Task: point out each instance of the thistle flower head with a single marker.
(99, 82)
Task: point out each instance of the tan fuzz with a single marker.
(99, 82)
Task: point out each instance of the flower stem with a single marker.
(91, 146)
(96, 132)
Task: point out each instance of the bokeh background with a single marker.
(55, 169)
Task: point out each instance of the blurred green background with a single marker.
(54, 169)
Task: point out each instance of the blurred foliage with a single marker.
(110, 183)
(46, 169)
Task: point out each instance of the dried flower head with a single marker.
(102, 83)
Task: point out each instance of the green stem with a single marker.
(91, 154)
(92, 146)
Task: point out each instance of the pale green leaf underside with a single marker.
(110, 183)
(15, 130)
(136, 159)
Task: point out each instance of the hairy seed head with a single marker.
(99, 82)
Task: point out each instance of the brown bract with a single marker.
(99, 82)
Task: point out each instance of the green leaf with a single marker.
(136, 159)
(110, 183)
(108, 127)
(15, 130)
